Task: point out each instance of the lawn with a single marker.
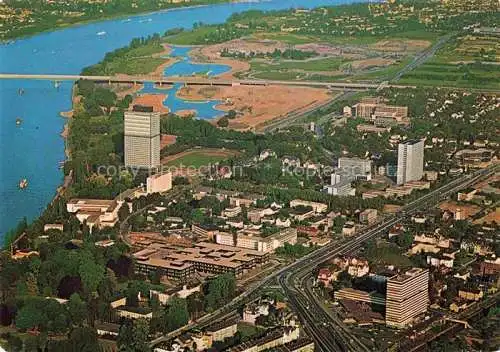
(441, 74)
(131, 61)
(387, 254)
(248, 330)
(190, 37)
(289, 38)
(198, 158)
(328, 64)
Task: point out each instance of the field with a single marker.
(259, 104)
(455, 75)
(196, 158)
(131, 61)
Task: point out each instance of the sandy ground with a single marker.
(212, 54)
(490, 218)
(154, 100)
(245, 46)
(401, 45)
(369, 63)
(257, 105)
(123, 89)
(187, 113)
(467, 209)
(167, 139)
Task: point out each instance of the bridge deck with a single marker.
(194, 81)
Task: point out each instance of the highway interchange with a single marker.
(325, 328)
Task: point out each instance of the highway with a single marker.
(198, 81)
(291, 278)
(294, 117)
(422, 57)
(328, 331)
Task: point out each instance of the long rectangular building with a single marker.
(180, 263)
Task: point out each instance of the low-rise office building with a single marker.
(159, 183)
(317, 207)
(181, 263)
(95, 212)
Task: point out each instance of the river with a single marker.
(34, 149)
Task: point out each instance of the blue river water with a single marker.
(34, 149)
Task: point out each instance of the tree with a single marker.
(85, 87)
(77, 309)
(223, 122)
(105, 97)
(405, 240)
(344, 279)
(220, 290)
(176, 314)
(29, 317)
(125, 340)
(195, 305)
(123, 212)
(140, 336)
(91, 273)
(231, 114)
(83, 339)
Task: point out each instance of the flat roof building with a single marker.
(159, 183)
(180, 263)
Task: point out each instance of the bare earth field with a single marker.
(257, 105)
(211, 54)
(396, 45)
(371, 63)
(154, 100)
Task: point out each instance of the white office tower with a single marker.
(142, 139)
(410, 161)
(407, 297)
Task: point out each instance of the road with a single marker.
(292, 118)
(198, 81)
(422, 57)
(327, 330)
(303, 267)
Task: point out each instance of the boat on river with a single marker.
(19, 121)
(23, 183)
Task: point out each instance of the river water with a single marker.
(34, 149)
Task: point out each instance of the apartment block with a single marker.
(356, 168)
(410, 161)
(142, 139)
(407, 297)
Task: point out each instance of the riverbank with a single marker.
(60, 26)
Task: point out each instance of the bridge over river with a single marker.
(160, 80)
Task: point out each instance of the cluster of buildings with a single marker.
(176, 262)
(404, 300)
(464, 263)
(375, 110)
(285, 335)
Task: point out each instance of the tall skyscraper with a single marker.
(142, 139)
(410, 161)
(407, 297)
